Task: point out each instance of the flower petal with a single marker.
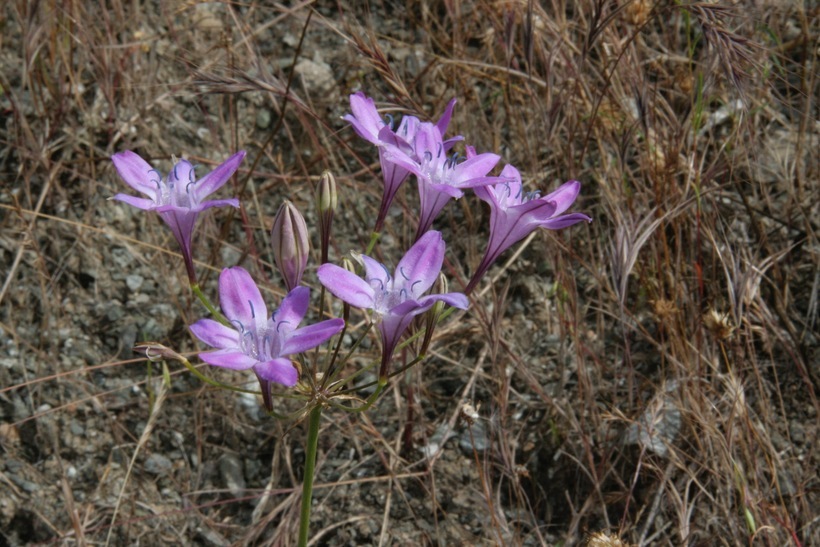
(139, 203)
(240, 299)
(564, 196)
(215, 334)
(278, 370)
(311, 336)
(420, 266)
(228, 358)
(214, 180)
(474, 168)
(454, 299)
(365, 118)
(137, 173)
(375, 271)
(444, 121)
(292, 311)
(232, 202)
(564, 220)
(346, 285)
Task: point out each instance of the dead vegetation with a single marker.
(651, 376)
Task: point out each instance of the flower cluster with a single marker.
(419, 148)
(246, 337)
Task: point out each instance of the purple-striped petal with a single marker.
(241, 300)
(214, 180)
(139, 203)
(137, 173)
(228, 358)
(563, 221)
(444, 121)
(292, 311)
(346, 286)
(564, 196)
(215, 334)
(311, 336)
(278, 370)
(420, 266)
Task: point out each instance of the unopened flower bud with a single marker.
(328, 198)
(291, 246)
(326, 201)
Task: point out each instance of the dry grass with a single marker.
(652, 375)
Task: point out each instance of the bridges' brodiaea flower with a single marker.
(179, 199)
(366, 121)
(397, 299)
(441, 176)
(255, 341)
(515, 214)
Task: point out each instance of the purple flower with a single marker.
(514, 215)
(441, 177)
(179, 199)
(398, 299)
(366, 121)
(256, 341)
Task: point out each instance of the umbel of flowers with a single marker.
(278, 347)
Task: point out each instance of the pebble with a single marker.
(134, 281)
(157, 464)
(230, 467)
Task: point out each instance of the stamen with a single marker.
(158, 180)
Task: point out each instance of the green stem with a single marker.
(215, 313)
(310, 467)
(374, 237)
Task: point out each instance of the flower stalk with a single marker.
(314, 420)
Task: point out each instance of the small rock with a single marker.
(478, 440)
(157, 464)
(316, 76)
(230, 467)
(134, 281)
